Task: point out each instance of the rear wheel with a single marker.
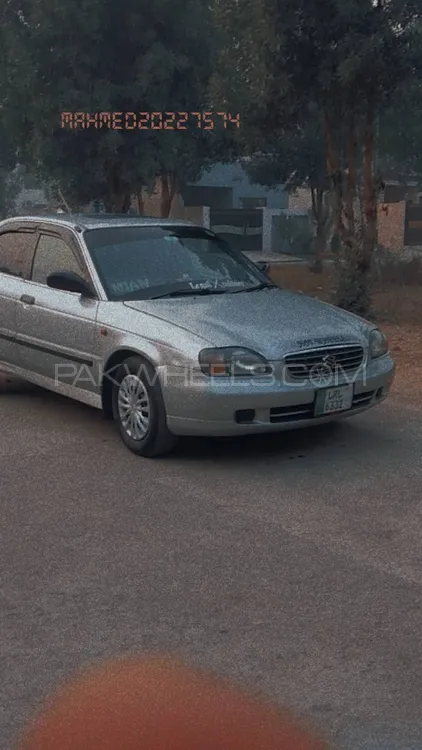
(138, 409)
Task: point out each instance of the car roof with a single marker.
(82, 222)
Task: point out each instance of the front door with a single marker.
(56, 329)
(16, 252)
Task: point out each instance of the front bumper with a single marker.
(197, 405)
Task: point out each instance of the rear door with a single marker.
(17, 245)
(55, 328)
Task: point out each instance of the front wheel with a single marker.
(138, 409)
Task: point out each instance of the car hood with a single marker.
(269, 321)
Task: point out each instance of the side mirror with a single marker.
(68, 281)
(262, 266)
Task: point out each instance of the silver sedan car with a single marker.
(171, 332)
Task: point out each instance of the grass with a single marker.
(396, 309)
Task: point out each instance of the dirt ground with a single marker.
(397, 310)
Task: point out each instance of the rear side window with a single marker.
(16, 252)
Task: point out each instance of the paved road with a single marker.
(293, 563)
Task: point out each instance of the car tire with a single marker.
(139, 411)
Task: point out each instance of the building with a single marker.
(226, 186)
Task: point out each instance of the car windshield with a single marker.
(150, 262)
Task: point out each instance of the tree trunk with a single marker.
(118, 203)
(352, 269)
(319, 249)
(165, 196)
(354, 290)
(119, 198)
(318, 210)
(140, 201)
(168, 191)
(335, 178)
(173, 188)
(351, 177)
(369, 193)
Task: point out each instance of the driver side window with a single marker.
(53, 254)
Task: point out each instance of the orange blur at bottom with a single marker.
(160, 704)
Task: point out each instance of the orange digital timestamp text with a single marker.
(149, 120)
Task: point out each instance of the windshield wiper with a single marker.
(189, 292)
(146, 294)
(256, 288)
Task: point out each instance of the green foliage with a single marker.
(132, 56)
(400, 132)
(336, 65)
(296, 159)
(337, 54)
(289, 62)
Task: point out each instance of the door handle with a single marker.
(27, 299)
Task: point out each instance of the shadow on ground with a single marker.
(285, 446)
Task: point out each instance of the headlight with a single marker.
(232, 361)
(378, 344)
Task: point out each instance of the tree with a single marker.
(296, 160)
(182, 158)
(400, 133)
(343, 60)
(133, 56)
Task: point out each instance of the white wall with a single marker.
(30, 196)
(235, 177)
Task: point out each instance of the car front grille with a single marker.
(306, 411)
(341, 359)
